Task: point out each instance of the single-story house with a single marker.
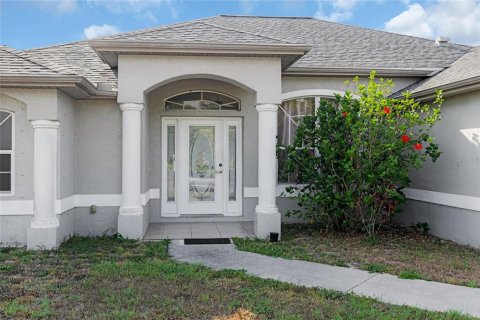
(179, 123)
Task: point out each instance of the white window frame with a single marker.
(11, 152)
(201, 98)
(317, 94)
(230, 207)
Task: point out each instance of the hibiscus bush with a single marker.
(353, 157)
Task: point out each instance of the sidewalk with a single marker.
(387, 288)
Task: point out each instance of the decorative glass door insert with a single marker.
(201, 166)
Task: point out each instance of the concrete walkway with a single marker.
(185, 230)
(387, 288)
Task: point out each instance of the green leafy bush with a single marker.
(353, 157)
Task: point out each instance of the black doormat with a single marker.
(207, 241)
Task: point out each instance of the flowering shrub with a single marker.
(353, 157)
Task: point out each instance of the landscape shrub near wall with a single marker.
(353, 157)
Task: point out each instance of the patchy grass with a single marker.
(407, 253)
(410, 274)
(112, 278)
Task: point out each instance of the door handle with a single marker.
(218, 171)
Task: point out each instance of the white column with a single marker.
(42, 233)
(130, 218)
(267, 217)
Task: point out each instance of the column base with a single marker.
(130, 222)
(43, 238)
(267, 219)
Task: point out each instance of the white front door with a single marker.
(203, 175)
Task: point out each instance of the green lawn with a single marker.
(112, 278)
(407, 253)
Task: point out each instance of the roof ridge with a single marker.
(161, 27)
(157, 28)
(472, 49)
(267, 17)
(55, 45)
(27, 58)
(383, 31)
(336, 23)
(246, 32)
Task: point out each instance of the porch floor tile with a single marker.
(181, 230)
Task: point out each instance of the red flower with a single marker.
(344, 114)
(418, 146)
(405, 138)
(386, 110)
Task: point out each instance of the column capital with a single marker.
(266, 107)
(131, 106)
(45, 124)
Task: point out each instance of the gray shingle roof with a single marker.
(467, 67)
(77, 58)
(15, 62)
(341, 46)
(197, 31)
(334, 45)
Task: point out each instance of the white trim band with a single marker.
(441, 198)
(131, 106)
(46, 124)
(25, 207)
(269, 107)
(445, 199)
(311, 93)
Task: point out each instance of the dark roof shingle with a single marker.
(16, 62)
(467, 67)
(78, 58)
(342, 46)
(334, 45)
(196, 31)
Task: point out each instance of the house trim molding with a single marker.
(441, 198)
(309, 93)
(392, 72)
(55, 81)
(451, 89)
(25, 207)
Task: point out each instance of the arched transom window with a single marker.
(6, 152)
(202, 100)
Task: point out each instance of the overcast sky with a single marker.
(29, 24)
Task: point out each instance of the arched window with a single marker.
(290, 114)
(202, 100)
(6, 152)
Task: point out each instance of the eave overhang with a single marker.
(109, 50)
(75, 86)
(451, 89)
(390, 72)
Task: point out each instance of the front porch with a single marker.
(199, 230)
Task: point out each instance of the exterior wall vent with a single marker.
(104, 86)
(442, 41)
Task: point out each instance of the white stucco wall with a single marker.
(66, 147)
(98, 147)
(90, 141)
(138, 74)
(456, 172)
(333, 83)
(250, 136)
(23, 139)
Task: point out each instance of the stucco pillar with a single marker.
(42, 233)
(267, 217)
(130, 218)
